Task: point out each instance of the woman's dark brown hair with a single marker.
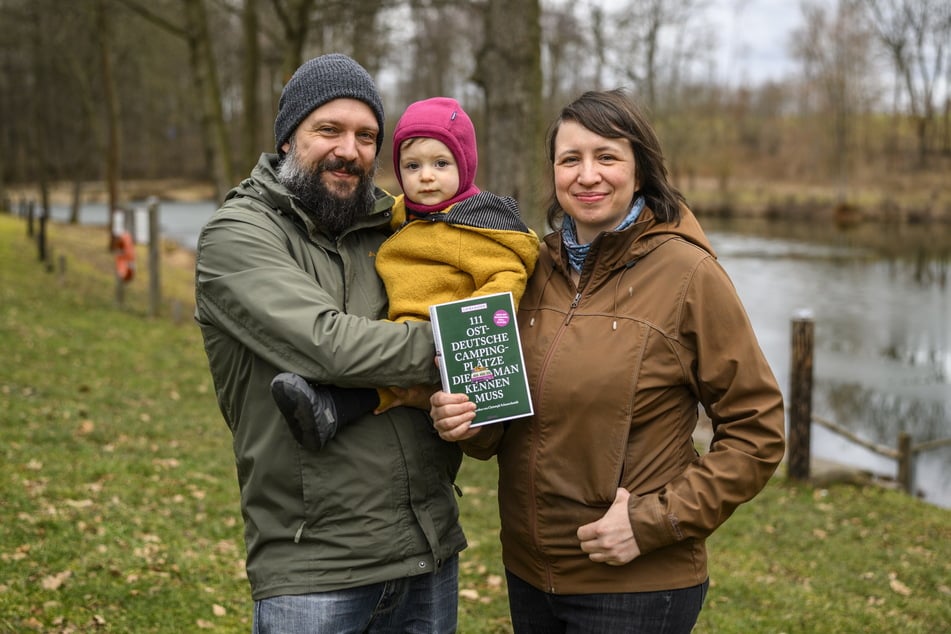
(612, 114)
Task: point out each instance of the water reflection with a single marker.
(180, 222)
(881, 306)
(878, 415)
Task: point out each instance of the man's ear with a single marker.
(286, 147)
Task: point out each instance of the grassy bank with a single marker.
(119, 506)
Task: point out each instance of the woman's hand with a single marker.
(610, 540)
(452, 414)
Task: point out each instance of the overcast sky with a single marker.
(754, 37)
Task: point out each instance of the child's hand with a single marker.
(416, 396)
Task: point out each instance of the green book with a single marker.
(480, 354)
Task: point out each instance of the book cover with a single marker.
(480, 354)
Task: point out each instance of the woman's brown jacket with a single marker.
(618, 367)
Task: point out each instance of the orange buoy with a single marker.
(124, 249)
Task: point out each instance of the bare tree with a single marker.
(495, 57)
(294, 18)
(16, 82)
(250, 75)
(58, 124)
(665, 44)
(644, 59)
(42, 120)
(358, 23)
(111, 100)
(433, 56)
(943, 35)
(92, 139)
(346, 26)
(915, 33)
(563, 44)
(206, 75)
(835, 56)
(195, 33)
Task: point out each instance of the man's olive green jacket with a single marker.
(274, 294)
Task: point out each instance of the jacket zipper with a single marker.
(571, 309)
(534, 453)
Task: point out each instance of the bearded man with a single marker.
(362, 535)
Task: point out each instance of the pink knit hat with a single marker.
(443, 119)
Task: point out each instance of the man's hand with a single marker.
(416, 396)
(610, 540)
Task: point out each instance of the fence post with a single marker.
(800, 396)
(904, 462)
(155, 243)
(41, 238)
(119, 222)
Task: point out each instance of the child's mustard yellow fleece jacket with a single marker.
(477, 246)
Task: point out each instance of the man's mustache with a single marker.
(340, 165)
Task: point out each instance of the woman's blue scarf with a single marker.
(578, 252)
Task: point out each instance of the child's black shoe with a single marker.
(308, 409)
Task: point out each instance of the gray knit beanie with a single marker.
(318, 81)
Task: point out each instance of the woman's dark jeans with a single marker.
(663, 612)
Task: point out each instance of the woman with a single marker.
(628, 324)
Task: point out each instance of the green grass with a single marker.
(119, 504)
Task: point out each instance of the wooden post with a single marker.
(904, 462)
(120, 292)
(118, 223)
(155, 243)
(41, 238)
(178, 311)
(30, 208)
(800, 396)
(62, 270)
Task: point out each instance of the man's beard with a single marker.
(332, 211)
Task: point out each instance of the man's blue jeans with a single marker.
(664, 612)
(424, 604)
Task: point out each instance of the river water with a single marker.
(881, 304)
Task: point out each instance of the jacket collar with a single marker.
(617, 249)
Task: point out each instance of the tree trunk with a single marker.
(111, 102)
(250, 75)
(295, 22)
(41, 118)
(206, 75)
(508, 69)
(368, 46)
(75, 202)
